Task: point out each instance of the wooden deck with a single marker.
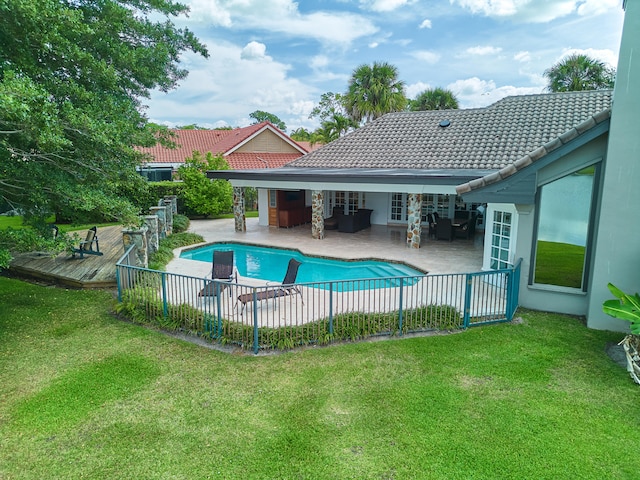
(92, 271)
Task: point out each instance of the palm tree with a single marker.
(374, 91)
(332, 129)
(434, 99)
(579, 72)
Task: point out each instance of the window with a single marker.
(398, 212)
(273, 198)
(500, 240)
(564, 212)
(156, 174)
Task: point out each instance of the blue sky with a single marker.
(280, 56)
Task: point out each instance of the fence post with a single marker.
(467, 300)
(331, 308)
(255, 322)
(118, 284)
(400, 309)
(219, 310)
(165, 306)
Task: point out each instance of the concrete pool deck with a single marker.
(379, 242)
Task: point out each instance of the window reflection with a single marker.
(563, 228)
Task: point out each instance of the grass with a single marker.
(559, 264)
(83, 395)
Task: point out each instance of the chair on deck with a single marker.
(223, 271)
(286, 288)
(86, 246)
(468, 230)
(444, 229)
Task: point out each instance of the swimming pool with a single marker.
(271, 264)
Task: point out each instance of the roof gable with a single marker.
(226, 142)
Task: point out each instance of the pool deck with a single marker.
(379, 242)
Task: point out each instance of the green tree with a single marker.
(333, 128)
(300, 134)
(260, 116)
(334, 120)
(434, 99)
(73, 76)
(579, 72)
(205, 197)
(373, 91)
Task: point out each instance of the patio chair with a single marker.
(467, 230)
(286, 288)
(86, 247)
(444, 230)
(223, 271)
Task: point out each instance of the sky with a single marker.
(280, 56)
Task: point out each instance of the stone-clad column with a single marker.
(414, 219)
(174, 202)
(153, 238)
(137, 237)
(317, 214)
(168, 203)
(238, 209)
(160, 212)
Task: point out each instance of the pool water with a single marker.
(271, 264)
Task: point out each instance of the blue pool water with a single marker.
(271, 264)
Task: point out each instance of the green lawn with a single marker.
(83, 395)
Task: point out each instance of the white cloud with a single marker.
(227, 88)
(319, 61)
(537, 11)
(253, 51)
(373, 44)
(522, 57)
(282, 17)
(486, 50)
(426, 23)
(597, 7)
(385, 5)
(425, 56)
(474, 92)
(607, 56)
(414, 89)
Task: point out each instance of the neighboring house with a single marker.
(257, 146)
(559, 174)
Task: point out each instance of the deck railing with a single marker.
(259, 316)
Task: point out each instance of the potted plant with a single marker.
(627, 307)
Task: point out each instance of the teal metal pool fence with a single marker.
(255, 315)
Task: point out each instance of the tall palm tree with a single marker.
(434, 99)
(579, 72)
(373, 91)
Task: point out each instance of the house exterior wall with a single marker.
(267, 141)
(618, 235)
(548, 297)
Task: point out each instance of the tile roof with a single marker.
(223, 142)
(252, 160)
(490, 138)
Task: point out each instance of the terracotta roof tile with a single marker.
(221, 142)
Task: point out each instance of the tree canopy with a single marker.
(334, 119)
(260, 116)
(373, 91)
(434, 99)
(73, 75)
(579, 72)
(202, 195)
